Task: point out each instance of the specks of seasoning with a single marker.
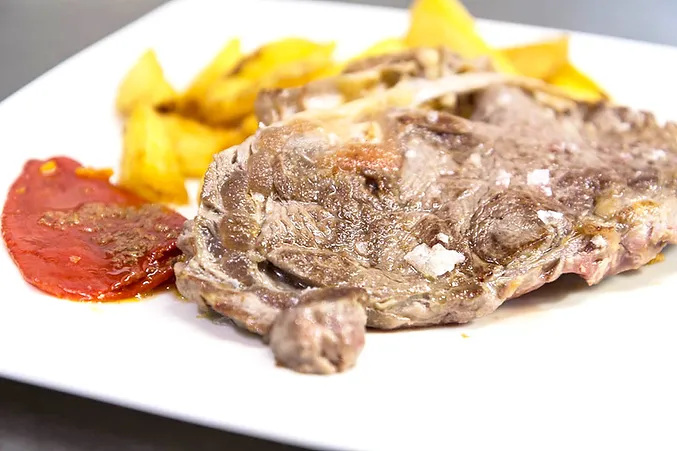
(20, 190)
(74, 258)
(140, 233)
(162, 228)
(48, 168)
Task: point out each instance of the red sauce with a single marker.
(74, 235)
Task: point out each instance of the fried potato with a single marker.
(331, 70)
(227, 101)
(297, 74)
(391, 45)
(577, 84)
(195, 144)
(540, 60)
(150, 167)
(144, 84)
(222, 64)
(249, 125)
(275, 55)
(447, 23)
(282, 64)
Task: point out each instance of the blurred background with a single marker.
(35, 35)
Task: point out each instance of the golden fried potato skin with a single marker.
(549, 61)
(228, 99)
(144, 84)
(448, 23)
(150, 166)
(195, 144)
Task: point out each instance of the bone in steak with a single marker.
(401, 216)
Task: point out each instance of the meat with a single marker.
(323, 336)
(364, 77)
(418, 215)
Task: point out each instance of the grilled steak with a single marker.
(402, 216)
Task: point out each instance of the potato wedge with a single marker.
(577, 84)
(222, 64)
(144, 84)
(249, 125)
(331, 70)
(390, 45)
(227, 101)
(270, 57)
(150, 167)
(447, 23)
(195, 144)
(540, 60)
(282, 64)
(300, 73)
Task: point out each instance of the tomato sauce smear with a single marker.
(76, 236)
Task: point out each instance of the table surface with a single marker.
(35, 35)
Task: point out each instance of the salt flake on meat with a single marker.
(541, 178)
(503, 178)
(435, 261)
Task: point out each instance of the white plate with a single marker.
(567, 367)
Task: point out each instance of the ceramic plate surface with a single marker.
(567, 367)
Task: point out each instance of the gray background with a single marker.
(35, 35)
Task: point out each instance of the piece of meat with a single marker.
(323, 336)
(363, 77)
(437, 218)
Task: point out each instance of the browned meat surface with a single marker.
(364, 77)
(424, 217)
(323, 336)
